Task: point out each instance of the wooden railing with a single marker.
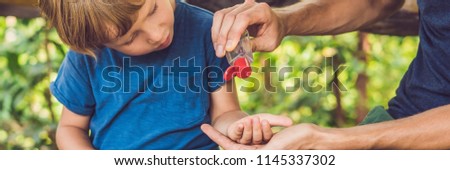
(403, 23)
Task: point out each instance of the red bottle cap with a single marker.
(241, 68)
(230, 73)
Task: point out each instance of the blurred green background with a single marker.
(30, 56)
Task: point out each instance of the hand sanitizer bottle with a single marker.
(240, 59)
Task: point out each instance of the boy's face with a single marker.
(152, 30)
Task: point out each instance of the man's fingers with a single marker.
(252, 16)
(258, 44)
(249, 1)
(218, 137)
(262, 44)
(216, 27)
(241, 23)
(276, 120)
(227, 23)
(267, 130)
(217, 21)
(237, 17)
(222, 140)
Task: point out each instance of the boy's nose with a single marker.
(151, 41)
(154, 38)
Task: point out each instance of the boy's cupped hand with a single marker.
(256, 129)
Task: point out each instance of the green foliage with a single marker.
(387, 60)
(30, 56)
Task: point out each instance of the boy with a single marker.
(125, 78)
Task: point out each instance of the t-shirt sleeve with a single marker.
(216, 66)
(72, 86)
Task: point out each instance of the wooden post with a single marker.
(362, 80)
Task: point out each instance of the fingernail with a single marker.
(265, 122)
(220, 51)
(230, 45)
(255, 120)
(250, 121)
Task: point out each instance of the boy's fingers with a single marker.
(248, 129)
(267, 131)
(236, 132)
(276, 120)
(257, 133)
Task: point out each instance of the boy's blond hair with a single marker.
(85, 25)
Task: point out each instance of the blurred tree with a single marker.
(29, 56)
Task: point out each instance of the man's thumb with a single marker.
(261, 44)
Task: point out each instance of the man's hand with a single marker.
(303, 136)
(262, 22)
(313, 17)
(225, 142)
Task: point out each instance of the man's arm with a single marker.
(428, 130)
(324, 17)
(309, 17)
(72, 132)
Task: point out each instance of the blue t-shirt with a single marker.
(154, 101)
(427, 81)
